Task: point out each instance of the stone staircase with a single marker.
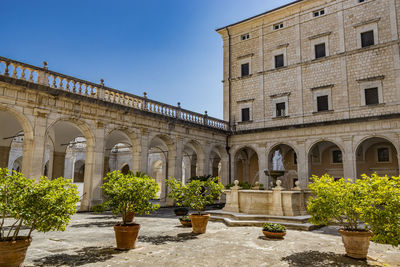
(241, 219)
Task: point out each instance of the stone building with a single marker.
(311, 87)
(319, 81)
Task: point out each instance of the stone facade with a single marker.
(342, 75)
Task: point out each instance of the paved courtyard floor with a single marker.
(89, 241)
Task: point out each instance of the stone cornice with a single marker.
(365, 22)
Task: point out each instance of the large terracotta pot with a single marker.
(273, 234)
(130, 217)
(126, 235)
(12, 253)
(199, 223)
(356, 243)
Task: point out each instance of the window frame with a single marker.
(389, 156)
(369, 85)
(373, 26)
(333, 158)
(248, 69)
(245, 37)
(323, 92)
(327, 103)
(242, 109)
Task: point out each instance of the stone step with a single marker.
(259, 217)
(292, 226)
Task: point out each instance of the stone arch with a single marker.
(193, 157)
(326, 156)
(377, 154)
(124, 168)
(246, 165)
(219, 162)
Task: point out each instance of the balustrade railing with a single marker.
(43, 76)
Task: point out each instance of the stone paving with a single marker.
(89, 241)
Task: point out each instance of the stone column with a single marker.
(277, 208)
(262, 165)
(224, 171)
(4, 154)
(302, 165)
(34, 150)
(94, 167)
(349, 159)
(58, 164)
(175, 156)
(140, 155)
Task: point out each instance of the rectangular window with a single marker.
(279, 61)
(383, 154)
(245, 69)
(337, 156)
(281, 109)
(278, 26)
(319, 13)
(245, 36)
(371, 96)
(320, 50)
(367, 38)
(361, 1)
(245, 114)
(322, 103)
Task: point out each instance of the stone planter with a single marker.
(126, 235)
(274, 235)
(199, 223)
(12, 253)
(356, 243)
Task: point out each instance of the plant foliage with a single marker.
(45, 205)
(196, 194)
(374, 200)
(274, 227)
(185, 218)
(244, 185)
(129, 193)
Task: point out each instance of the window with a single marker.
(320, 50)
(245, 36)
(361, 1)
(245, 69)
(371, 96)
(319, 13)
(383, 154)
(337, 156)
(322, 103)
(279, 61)
(281, 109)
(367, 38)
(278, 26)
(245, 114)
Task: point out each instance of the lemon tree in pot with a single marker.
(27, 205)
(127, 193)
(196, 195)
(370, 201)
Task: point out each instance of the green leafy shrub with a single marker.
(129, 193)
(196, 194)
(374, 200)
(274, 227)
(185, 218)
(201, 178)
(46, 205)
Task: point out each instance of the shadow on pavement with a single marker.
(82, 256)
(164, 239)
(322, 259)
(94, 224)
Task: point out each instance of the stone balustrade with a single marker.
(43, 76)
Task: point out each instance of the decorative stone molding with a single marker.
(319, 35)
(322, 87)
(375, 78)
(280, 95)
(366, 22)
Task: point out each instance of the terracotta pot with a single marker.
(126, 235)
(199, 223)
(130, 217)
(186, 223)
(273, 234)
(356, 243)
(12, 253)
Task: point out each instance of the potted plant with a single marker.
(196, 195)
(274, 230)
(181, 211)
(45, 205)
(186, 221)
(127, 193)
(373, 201)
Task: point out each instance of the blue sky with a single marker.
(168, 48)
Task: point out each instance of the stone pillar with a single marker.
(94, 167)
(58, 164)
(140, 155)
(302, 165)
(349, 159)
(262, 165)
(4, 154)
(174, 159)
(34, 150)
(224, 171)
(277, 208)
(232, 199)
